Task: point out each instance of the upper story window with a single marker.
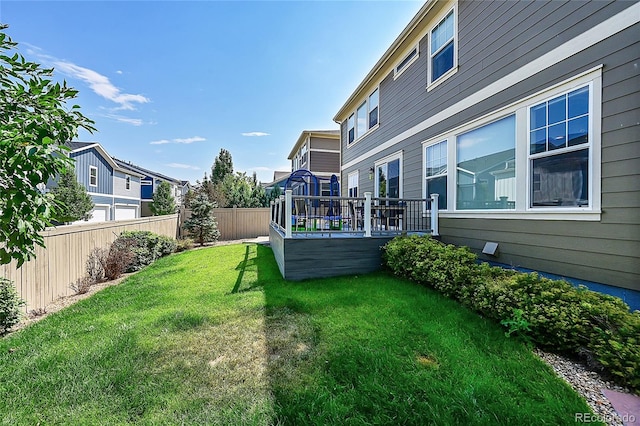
(93, 176)
(559, 150)
(351, 129)
(442, 47)
(406, 61)
(366, 117)
(303, 155)
(127, 182)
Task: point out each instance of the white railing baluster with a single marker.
(288, 213)
(434, 215)
(367, 214)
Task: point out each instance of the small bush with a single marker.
(10, 304)
(82, 285)
(93, 266)
(146, 247)
(184, 244)
(116, 259)
(552, 314)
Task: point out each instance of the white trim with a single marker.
(90, 169)
(600, 32)
(125, 197)
(426, 144)
(333, 151)
(416, 48)
(357, 139)
(454, 68)
(514, 214)
(355, 173)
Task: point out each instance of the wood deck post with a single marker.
(287, 215)
(434, 215)
(367, 214)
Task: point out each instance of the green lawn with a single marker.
(215, 336)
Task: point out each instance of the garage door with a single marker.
(99, 214)
(126, 212)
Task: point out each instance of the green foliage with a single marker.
(202, 225)
(551, 313)
(10, 304)
(163, 202)
(184, 244)
(71, 198)
(34, 124)
(146, 246)
(222, 167)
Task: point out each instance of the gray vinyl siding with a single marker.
(495, 39)
(327, 162)
(117, 200)
(91, 157)
(102, 199)
(323, 143)
(119, 185)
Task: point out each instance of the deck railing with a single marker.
(296, 215)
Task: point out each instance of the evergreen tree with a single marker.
(163, 202)
(202, 224)
(222, 166)
(71, 199)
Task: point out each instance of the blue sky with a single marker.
(171, 83)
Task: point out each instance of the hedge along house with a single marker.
(524, 117)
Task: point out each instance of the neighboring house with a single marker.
(525, 118)
(315, 150)
(114, 190)
(149, 183)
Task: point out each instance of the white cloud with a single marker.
(183, 166)
(132, 121)
(255, 134)
(261, 169)
(179, 140)
(119, 72)
(101, 85)
(190, 140)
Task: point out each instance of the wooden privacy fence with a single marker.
(238, 223)
(62, 262)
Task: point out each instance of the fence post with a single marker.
(367, 214)
(434, 215)
(234, 221)
(287, 215)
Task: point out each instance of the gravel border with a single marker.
(588, 384)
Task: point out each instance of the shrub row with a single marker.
(551, 313)
(146, 246)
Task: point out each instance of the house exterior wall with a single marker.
(90, 157)
(325, 143)
(119, 186)
(496, 42)
(325, 162)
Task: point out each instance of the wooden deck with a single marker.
(341, 254)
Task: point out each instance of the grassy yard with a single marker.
(216, 336)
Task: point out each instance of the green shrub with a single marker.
(552, 314)
(146, 246)
(10, 304)
(184, 244)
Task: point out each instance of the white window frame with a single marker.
(425, 145)
(127, 182)
(398, 155)
(367, 110)
(350, 126)
(589, 146)
(406, 61)
(92, 176)
(353, 177)
(523, 182)
(433, 83)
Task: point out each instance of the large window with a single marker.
(351, 129)
(559, 150)
(388, 178)
(373, 109)
(486, 173)
(442, 49)
(352, 184)
(93, 176)
(365, 118)
(127, 182)
(436, 172)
